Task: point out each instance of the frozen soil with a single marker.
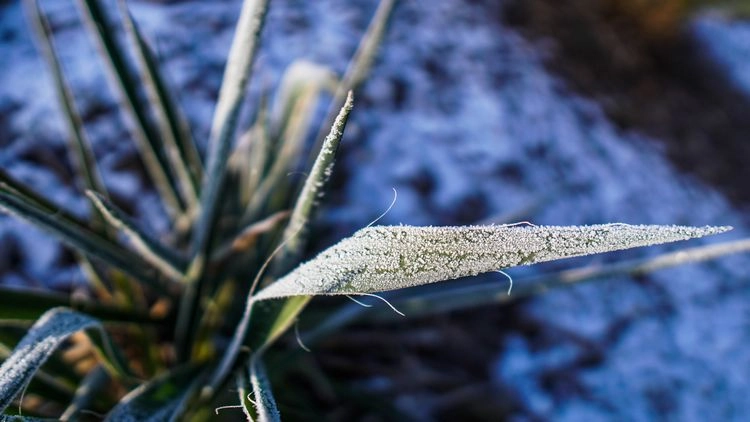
(471, 112)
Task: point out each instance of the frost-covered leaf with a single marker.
(385, 258)
(265, 404)
(162, 399)
(129, 85)
(236, 76)
(312, 190)
(39, 343)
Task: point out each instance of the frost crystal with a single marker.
(384, 258)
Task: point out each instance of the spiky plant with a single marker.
(169, 327)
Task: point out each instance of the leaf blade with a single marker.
(36, 347)
(180, 150)
(314, 184)
(236, 75)
(386, 258)
(265, 404)
(27, 305)
(79, 146)
(162, 399)
(147, 140)
(73, 232)
(153, 252)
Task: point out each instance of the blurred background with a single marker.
(554, 112)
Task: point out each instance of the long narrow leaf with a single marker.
(236, 75)
(460, 297)
(147, 140)
(361, 63)
(82, 156)
(178, 141)
(166, 260)
(377, 259)
(312, 190)
(29, 305)
(44, 384)
(300, 89)
(77, 235)
(245, 393)
(162, 399)
(478, 295)
(39, 343)
(265, 404)
(92, 385)
(281, 314)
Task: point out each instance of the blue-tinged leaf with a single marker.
(265, 404)
(162, 399)
(36, 347)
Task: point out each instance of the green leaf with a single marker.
(92, 385)
(236, 75)
(312, 190)
(377, 259)
(164, 398)
(280, 315)
(52, 388)
(360, 65)
(81, 154)
(29, 305)
(273, 318)
(265, 404)
(75, 233)
(147, 140)
(245, 392)
(166, 260)
(36, 347)
(298, 96)
(180, 149)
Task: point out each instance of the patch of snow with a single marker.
(728, 41)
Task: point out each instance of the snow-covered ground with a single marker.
(463, 119)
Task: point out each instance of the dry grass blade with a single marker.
(379, 259)
(250, 235)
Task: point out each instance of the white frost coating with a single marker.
(265, 404)
(319, 175)
(45, 336)
(384, 258)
